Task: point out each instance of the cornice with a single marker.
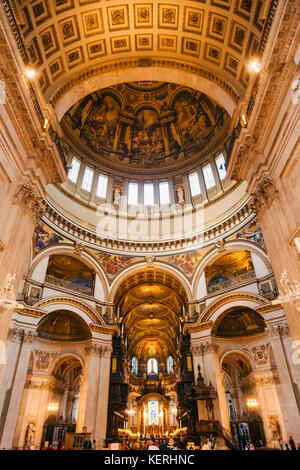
(76, 232)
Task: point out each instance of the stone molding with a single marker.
(77, 233)
(43, 359)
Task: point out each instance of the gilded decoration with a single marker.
(141, 125)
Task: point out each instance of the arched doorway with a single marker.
(245, 419)
(63, 407)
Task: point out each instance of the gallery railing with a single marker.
(234, 282)
(55, 281)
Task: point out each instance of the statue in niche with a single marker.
(29, 435)
(117, 195)
(180, 194)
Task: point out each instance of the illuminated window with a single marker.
(87, 179)
(194, 184)
(74, 170)
(102, 186)
(170, 365)
(134, 364)
(132, 193)
(153, 412)
(152, 366)
(164, 193)
(208, 177)
(148, 194)
(220, 162)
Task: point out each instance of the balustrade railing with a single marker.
(234, 282)
(55, 281)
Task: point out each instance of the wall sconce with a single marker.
(53, 406)
(244, 120)
(130, 412)
(252, 403)
(174, 411)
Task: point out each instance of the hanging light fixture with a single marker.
(53, 406)
(252, 403)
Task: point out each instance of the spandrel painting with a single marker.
(44, 236)
(252, 232)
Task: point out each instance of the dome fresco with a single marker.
(144, 125)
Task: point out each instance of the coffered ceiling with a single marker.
(69, 40)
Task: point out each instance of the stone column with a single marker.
(17, 389)
(288, 392)
(89, 390)
(102, 401)
(276, 207)
(22, 208)
(206, 354)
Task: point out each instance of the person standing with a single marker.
(292, 443)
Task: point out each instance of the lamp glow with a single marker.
(252, 403)
(53, 406)
(30, 73)
(254, 66)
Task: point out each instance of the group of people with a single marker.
(290, 445)
(162, 443)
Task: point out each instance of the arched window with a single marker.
(152, 366)
(170, 365)
(134, 364)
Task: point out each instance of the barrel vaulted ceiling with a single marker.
(69, 40)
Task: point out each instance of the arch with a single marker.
(214, 254)
(63, 100)
(72, 304)
(83, 256)
(234, 354)
(141, 267)
(63, 325)
(236, 299)
(63, 357)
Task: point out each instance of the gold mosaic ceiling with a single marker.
(70, 40)
(145, 125)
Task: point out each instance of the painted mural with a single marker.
(252, 232)
(146, 124)
(113, 264)
(186, 262)
(44, 236)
